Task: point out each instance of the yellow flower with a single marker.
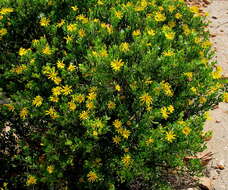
(71, 67)
(136, 32)
(84, 115)
(92, 96)
(19, 69)
(117, 124)
(118, 88)
(202, 100)
(125, 133)
(197, 40)
(50, 169)
(31, 180)
(171, 109)
(194, 9)
(71, 27)
(59, 24)
(225, 97)
(118, 14)
(193, 89)
(149, 141)
(171, 8)
(151, 32)
(82, 18)
(168, 53)
(186, 130)
(57, 90)
(116, 139)
(68, 38)
(44, 21)
(159, 17)
(54, 99)
(22, 51)
(124, 47)
(178, 16)
(189, 75)
(90, 105)
(164, 112)
(81, 33)
(72, 106)
(24, 113)
(170, 136)
(66, 89)
(111, 105)
(167, 88)
(117, 64)
(92, 177)
(99, 2)
(47, 50)
(170, 35)
(74, 8)
(78, 98)
(4, 11)
(52, 74)
(146, 99)
(218, 73)
(3, 31)
(60, 64)
(126, 160)
(52, 113)
(37, 101)
(103, 53)
(206, 44)
(171, 24)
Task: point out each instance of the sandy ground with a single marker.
(218, 15)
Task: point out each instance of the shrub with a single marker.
(103, 93)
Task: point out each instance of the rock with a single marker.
(218, 121)
(205, 183)
(214, 17)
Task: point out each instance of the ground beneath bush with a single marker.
(218, 145)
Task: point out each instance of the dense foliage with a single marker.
(101, 93)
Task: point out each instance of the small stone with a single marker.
(214, 17)
(218, 121)
(220, 165)
(221, 30)
(205, 183)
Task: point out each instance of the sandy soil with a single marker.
(218, 15)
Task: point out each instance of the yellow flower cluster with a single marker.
(19, 69)
(52, 113)
(167, 88)
(6, 10)
(159, 17)
(122, 131)
(165, 111)
(52, 74)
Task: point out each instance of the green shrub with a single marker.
(103, 93)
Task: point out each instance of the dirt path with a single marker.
(218, 15)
